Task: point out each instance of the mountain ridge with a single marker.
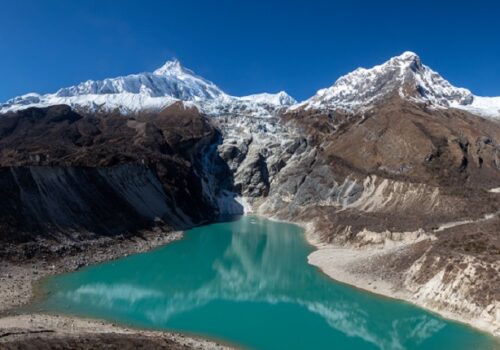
(133, 93)
(404, 74)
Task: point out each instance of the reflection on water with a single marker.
(248, 281)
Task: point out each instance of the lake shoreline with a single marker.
(18, 279)
(324, 257)
(47, 329)
(336, 262)
(20, 287)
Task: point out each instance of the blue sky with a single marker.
(244, 46)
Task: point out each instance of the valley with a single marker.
(375, 168)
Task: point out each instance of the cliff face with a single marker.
(65, 176)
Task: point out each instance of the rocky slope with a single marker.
(66, 176)
(412, 178)
(392, 159)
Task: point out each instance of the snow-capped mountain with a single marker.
(171, 80)
(130, 93)
(150, 91)
(404, 75)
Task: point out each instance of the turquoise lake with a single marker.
(247, 282)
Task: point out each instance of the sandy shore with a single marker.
(17, 279)
(17, 284)
(345, 264)
(337, 263)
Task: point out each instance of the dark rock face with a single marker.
(253, 181)
(80, 201)
(64, 175)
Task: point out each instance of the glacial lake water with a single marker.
(247, 282)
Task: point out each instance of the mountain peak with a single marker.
(170, 67)
(408, 60)
(407, 56)
(133, 92)
(404, 75)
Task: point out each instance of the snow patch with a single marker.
(482, 106)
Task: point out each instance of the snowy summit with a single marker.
(145, 91)
(403, 75)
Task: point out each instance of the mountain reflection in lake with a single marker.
(248, 282)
